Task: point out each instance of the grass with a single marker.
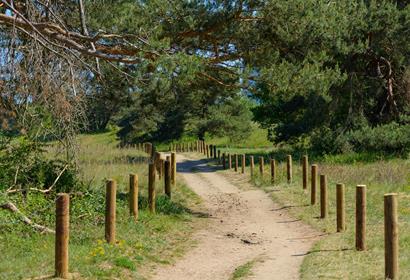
(243, 271)
(334, 256)
(141, 246)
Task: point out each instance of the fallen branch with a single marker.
(11, 207)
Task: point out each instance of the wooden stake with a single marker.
(110, 208)
(251, 165)
(229, 161)
(236, 163)
(223, 161)
(289, 168)
(361, 217)
(62, 235)
(243, 164)
(261, 166)
(273, 170)
(207, 151)
(151, 187)
(167, 178)
(340, 208)
(215, 152)
(391, 237)
(305, 171)
(323, 196)
(173, 169)
(313, 186)
(211, 150)
(133, 196)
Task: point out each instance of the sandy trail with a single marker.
(243, 226)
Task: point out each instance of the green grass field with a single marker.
(334, 256)
(153, 240)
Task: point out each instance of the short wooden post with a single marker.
(340, 208)
(110, 209)
(151, 187)
(204, 148)
(219, 156)
(236, 163)
(251, 165)
(261, 166)
(223, 161)
(215, 152)
(207, 151)
(211, 151)
(305, 171)
(133, 196)
(313, 185)
(167, 178)
(323, 196)
(243, 164)
(173, 169)
(62, 235)
(273, 170)
(289, 168)
(361, 217)
(391, 237)
(230, 161)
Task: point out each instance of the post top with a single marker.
(390, 194)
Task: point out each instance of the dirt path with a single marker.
(244, 226)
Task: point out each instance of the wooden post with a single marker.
(211, 151)
(313, 185)
(62, 235)
(261, 165)
(273, 170)
(207, 151)
(167, 178)
(340, 208)
(323, 196)
(305, 171)
(236, 163)
(219, 156)
(391, 237)
(133, 196)
(204, 148)
(229, 161)
(289, 168)
(223, 161)
(215, 152)
(243, 163)
(151, 187)
(110, 208)
(361, 217)
(173, 169)
(251, 165)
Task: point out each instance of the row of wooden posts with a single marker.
(165, 169)
(390, 205)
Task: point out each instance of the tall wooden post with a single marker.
(313, 186)
(261, 166)
(251, 165)
(110, 215)
(340, 208)
(289, 168)
(361, 217)
(167, 178)
(173, 169)
(219, 156)
(243, 164)
(211, 150)
(133, 196)
(215, 152)
(62, 235)
(323, 196)
(391, 237)
(151, 188)
(224, 161)
(207, 151)
(273, 170)
(230, 161)
(236, 163)
(305, 171)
